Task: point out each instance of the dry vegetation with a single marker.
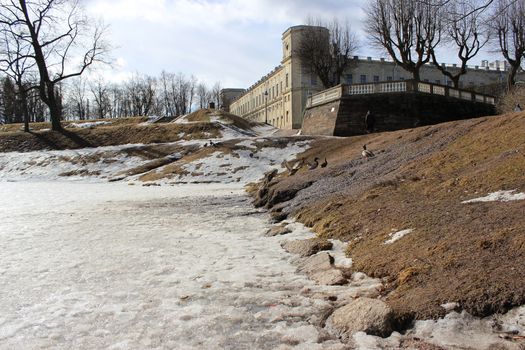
(508, 101)
(473, 254)
(118, 133)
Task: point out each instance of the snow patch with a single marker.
(394, 236)
(500, 196)
(87, 125)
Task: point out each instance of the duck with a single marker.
(312, 166)
(366, 153)
(291, 170)
(324, 164)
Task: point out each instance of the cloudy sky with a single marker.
(231, 41)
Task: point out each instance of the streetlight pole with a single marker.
(266, 106)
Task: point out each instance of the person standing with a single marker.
(369, 122)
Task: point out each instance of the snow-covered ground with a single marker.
(100, 265)
(88, 264)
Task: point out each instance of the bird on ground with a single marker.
(251, 155)
(324, 164)
(205, 145)
(212, 144)
(312, 166)
(367, 154)
(294, 169)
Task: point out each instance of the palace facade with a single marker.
(279, 98)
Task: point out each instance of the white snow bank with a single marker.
(239, 166)
(500, 196)
(456, 331)
(85, 163)
(394, 236)
(87, 125)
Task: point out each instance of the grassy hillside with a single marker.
(472, 254)
(116, 132)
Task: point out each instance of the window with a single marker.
(401, 78)
(286, 79)
(438, 81)
(376, 78)
(362, 79)
(425, 80)
(349, 79)
(388, 78)
(449, 83)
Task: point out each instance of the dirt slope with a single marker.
(117, 132)
(472, 254)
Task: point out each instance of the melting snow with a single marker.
(87, 125)
(500, 196)
(394, 236)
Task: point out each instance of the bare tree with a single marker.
(203, 95)
(59, 33)
(15, 62)
(409, 30)
(507, 25)
(100, 91)
(462, 28)
(326, 49)
(77, 99)
(216, 94)
(141, 90)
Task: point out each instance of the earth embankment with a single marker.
(404, 214)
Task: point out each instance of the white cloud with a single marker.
(232, 41)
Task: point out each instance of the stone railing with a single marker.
(325, 96)
(338, 91)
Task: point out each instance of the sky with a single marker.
(234, 42)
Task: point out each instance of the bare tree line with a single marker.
(169, 94)
(413, 32)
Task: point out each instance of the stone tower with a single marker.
(299, 81)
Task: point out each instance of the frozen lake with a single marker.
(115, 266)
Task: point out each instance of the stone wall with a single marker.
(392, 111)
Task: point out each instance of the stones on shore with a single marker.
(278, 231)
(320, 268)
(332, 277)
(317, 263)
(307, 247)
(371, 316)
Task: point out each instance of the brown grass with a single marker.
(473, 254)
(106, 135)
(508, 101)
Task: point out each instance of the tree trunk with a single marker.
(23, 98)
(455, 80)
(512, 75)
(415, 75)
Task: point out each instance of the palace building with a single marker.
(280, 97)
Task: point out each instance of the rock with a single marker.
(332, 277)
(278, 231)
(372, 316)
(319, 262)
(307, 247)
(278, 216)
